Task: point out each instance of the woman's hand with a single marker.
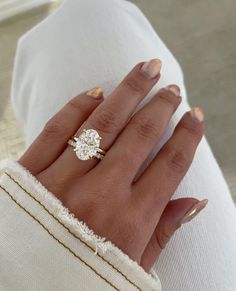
(135, 214)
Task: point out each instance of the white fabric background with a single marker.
(96, 43)
(43, 247)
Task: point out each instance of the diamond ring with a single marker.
(86, 145)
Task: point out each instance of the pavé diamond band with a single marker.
(86, 145)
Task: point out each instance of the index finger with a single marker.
(52, 140)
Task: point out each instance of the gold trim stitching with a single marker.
(66, 247)
(74, 235)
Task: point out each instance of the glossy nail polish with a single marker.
(197, 114)
(151, 69)
(95, 92)
(193, 212)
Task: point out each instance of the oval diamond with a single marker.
(87, 144)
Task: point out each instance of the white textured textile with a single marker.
(44, 247)
(96, 43)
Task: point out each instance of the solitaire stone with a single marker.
(87, 144)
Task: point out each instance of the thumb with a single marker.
(176, 213)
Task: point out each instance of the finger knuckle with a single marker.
(54, 128)
(195, 131)
(75, 103)
(146, 127)
(134, 85)
(168, 97)
(105, 121)
(178, 160)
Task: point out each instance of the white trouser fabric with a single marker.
(88, 43)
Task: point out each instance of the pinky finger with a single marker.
(176, 213)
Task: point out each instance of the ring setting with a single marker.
(87, 145)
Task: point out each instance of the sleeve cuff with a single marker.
(103, 261)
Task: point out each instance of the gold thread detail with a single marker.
(66, 247)
(73, 234)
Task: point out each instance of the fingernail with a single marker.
(151, 69)
(193, 212)
(197, 114)
(95, 92)
(174, 89)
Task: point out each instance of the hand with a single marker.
(135, 214)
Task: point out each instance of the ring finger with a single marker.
(112, 115)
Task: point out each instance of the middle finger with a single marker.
(144, 130)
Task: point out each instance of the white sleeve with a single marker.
(44, 247)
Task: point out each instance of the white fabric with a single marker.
(44, 247)
(95, 43)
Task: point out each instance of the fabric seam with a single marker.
(74, 235)
(60, 242)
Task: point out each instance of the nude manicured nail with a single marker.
(174, 89)
(197, 114)
(95, 92)
(193, 212)
(151, 69)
